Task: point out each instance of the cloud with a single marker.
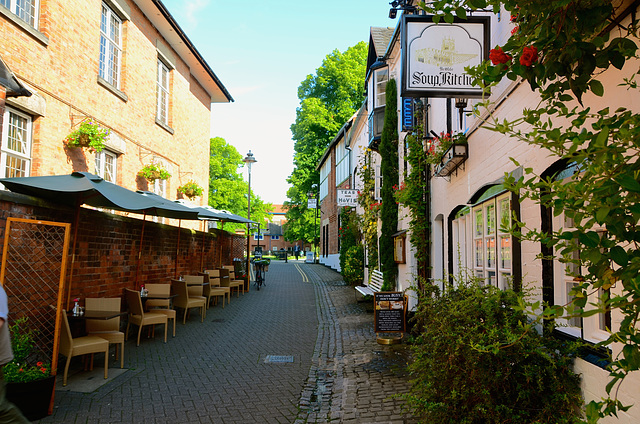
(192, 10)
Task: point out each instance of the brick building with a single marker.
(124, 64)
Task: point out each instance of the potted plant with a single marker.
(88, 135)
(154, 171)
(191, 190)
(28, 376)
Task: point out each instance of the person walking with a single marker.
(9, 413)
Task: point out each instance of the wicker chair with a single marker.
(107, 329)
(185, 300)
(161, 305)
(71, 347)
(137, 315)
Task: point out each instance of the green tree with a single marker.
(227, 187)
(389, 170)
(328, 99)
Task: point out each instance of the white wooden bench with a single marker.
(375, 284)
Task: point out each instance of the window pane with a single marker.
(479, 253)
(505, 252)
(505, 213)
(109, 168)
(26, 10)
(491, 252)
(110, 48)
(479, 230)
(491, 278)
(16, 167)
(491, 219)
(17, 136)
(5, 3)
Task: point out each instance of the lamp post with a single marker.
(249, 159)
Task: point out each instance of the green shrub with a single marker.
(479, 361)
(353, 270)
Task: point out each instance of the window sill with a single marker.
(113, 89)
(165, 127)
(40, 37)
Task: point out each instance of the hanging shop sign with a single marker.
(312, 203)
(407, 114)
(348, 198)
(434, 56)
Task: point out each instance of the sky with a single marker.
(261, 51)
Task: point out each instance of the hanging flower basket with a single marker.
(88, 135)
(191, 190)
(154, 171)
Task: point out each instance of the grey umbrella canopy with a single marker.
(85, 188)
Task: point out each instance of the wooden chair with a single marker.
(161, 305)
(225, 281)
(107, 329)
(185, 301)
(139, 317)
(212, 289)
(214, 277)
(233, 279)
(71, 347)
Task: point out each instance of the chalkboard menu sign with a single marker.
(389, 312)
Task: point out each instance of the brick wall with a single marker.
(62, 67)
(108, 245)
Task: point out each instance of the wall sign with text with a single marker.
(347, 197)
(434, 56)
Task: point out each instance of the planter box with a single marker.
(33, 398)
(451, 160)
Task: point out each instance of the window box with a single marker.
(452, 159)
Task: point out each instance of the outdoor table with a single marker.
(76, 322)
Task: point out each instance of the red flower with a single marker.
(43, 370)
(497, 56)
(529, 56)
(514, 18)
(514, 30)
(39, 364)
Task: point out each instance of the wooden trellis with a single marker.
(34, 261)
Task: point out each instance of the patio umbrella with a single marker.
(84, 188)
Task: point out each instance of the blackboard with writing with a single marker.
(389, 312)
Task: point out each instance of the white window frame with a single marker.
(103, 169)
(8, 153)
(110, 46)
(342, 163)
(159, 187)
(258, 237)
(381, 78)
(33, 18)
(492, 264)
(163, 83)
(275, 237)
(324, 178)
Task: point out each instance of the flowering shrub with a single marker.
(90, 135)
(439, 146)
(25, 365)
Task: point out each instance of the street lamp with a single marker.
(249, 159)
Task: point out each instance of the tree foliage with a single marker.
(389, 170)
(563, 50)
(328, 99)
(227, 187)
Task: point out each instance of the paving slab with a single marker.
(300, 350)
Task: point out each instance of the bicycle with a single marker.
(260, 266)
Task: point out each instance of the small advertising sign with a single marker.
(312, 203)
(390, 310)
(407, 114)
(348, 198)
(435, 55)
